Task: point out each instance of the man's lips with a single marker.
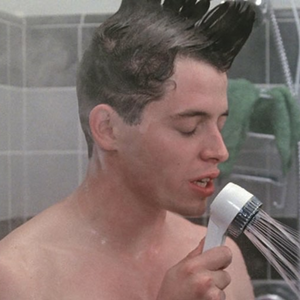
(204, 189)
(205, 178)
(202, 182)
(204, 185)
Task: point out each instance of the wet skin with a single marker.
(119, 235)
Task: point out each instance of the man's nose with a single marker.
(215, 149)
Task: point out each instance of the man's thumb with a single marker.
(198, 250)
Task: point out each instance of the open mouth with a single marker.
(203, 182)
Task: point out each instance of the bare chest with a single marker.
(102, 279)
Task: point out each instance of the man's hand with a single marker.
(199, 276)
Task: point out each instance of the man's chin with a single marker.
(195, 214)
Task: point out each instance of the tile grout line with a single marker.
(25, 184)
(9, 162)
(79, 55)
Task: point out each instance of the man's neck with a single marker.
(118, 218)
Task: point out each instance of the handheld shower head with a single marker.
(234, 211)
(230, 212)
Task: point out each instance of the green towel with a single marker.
(278, 114)
(242, 96)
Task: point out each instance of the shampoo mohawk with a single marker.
(222, 32)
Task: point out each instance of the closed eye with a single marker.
(188, 133)
(222, 121)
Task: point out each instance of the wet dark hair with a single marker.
(132, 54)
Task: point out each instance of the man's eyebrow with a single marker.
(196, 113)
(190, 113)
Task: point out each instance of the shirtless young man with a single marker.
(152, 101)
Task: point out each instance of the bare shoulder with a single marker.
(25, 265)
(14, 281)
(24, 253)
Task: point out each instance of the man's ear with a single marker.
(102, 126)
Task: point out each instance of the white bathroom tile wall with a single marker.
(51, 56)
(16, 55)
(52, 119)
(4, 118)
(3, 52)
(4, 187)
(87, 34)
(50, 178)
(43, 153)
(11, 119)
(16, 119)
(55, 20)
(11, 50)
(18, 192)
(95, 18)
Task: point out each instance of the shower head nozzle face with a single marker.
(244, 216)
